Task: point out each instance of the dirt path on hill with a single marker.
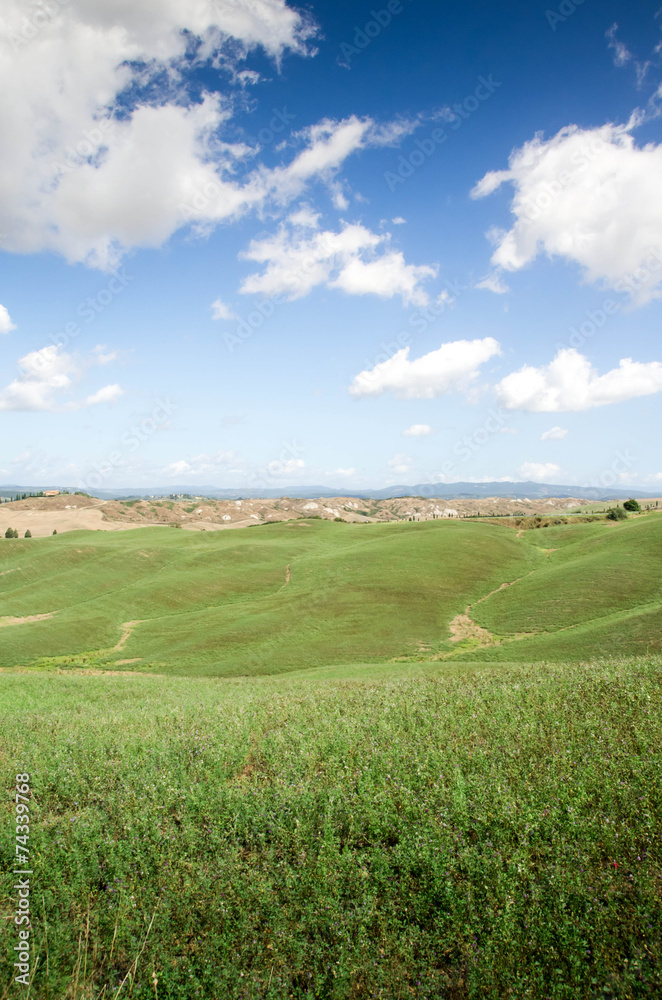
(496, 591)
(10, 620)
(127, 629)
(464, 627)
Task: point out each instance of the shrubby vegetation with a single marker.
(617, 514)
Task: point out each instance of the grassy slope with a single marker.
(598, 594)
(410, 831)
(218, 601)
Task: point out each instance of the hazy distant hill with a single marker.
(444, 491)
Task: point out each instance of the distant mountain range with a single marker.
(442, 491)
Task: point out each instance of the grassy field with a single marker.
(312, 593)
(404, 831)
(222, 812)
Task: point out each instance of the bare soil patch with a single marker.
(463, 627)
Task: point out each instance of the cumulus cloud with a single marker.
(6, 325)
(45, 379)
(345, 473)
(570, 383)
(451, 368)
(538, 472)
(418, 430)
(101, 141)
(591, 196)
(300, 257)
(107, 143)
(554, 434)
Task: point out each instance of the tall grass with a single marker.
(419, 831)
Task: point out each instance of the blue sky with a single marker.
(262, 245)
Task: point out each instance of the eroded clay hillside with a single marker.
(70, 512)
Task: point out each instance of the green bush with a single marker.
(632, 505)
(616, 514)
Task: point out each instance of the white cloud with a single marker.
(304, 218)
(554, 434)
(6, 325)
(75, 174)
(451, 368)
(177, 468)
(418, 430)
(400, 465)
(621, 52)
(538, 471)
(103, 356)
(328, 144)
(82, 179)
(231, 468)
(591, 196)
(398, 221)
(43, 373)
(445, 298)
(220, 463)
(345, 473)
(386, 276)
(221, 311)
(288, 467)
(570, 383)
(493, 283)
(109, 394)
(300, 257)
(48, 375)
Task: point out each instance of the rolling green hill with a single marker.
(440, 827)
(312, 593)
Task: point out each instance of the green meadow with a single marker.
(412, 830)
(312, 593)
(286, 781)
